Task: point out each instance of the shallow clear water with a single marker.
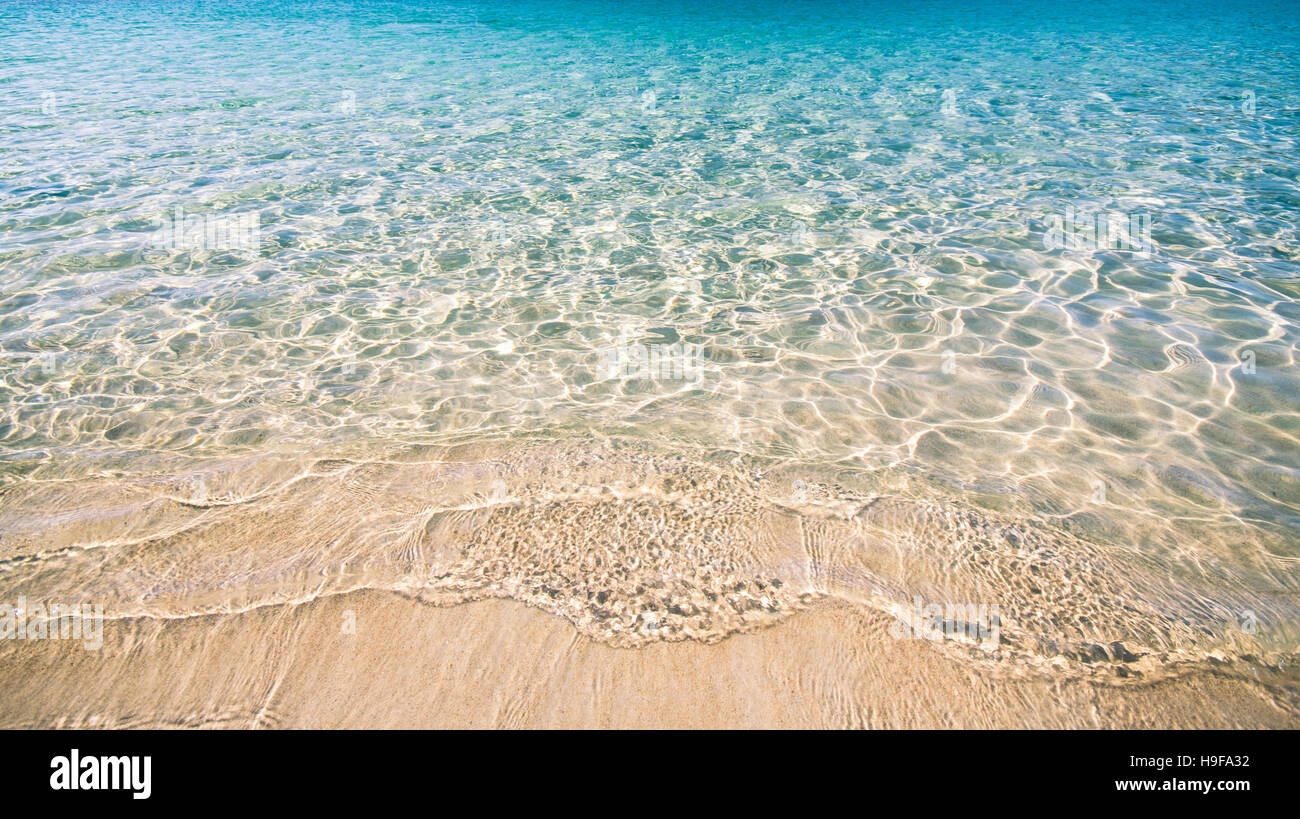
(834, 228)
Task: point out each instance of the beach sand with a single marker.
(500, 664)
(590, 585)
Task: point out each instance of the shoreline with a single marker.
(501, 664)
(617, 566)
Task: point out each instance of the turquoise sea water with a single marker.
(836, 234)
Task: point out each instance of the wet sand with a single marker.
(612, 584)
(501, 664)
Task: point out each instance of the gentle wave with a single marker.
(631, 545)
